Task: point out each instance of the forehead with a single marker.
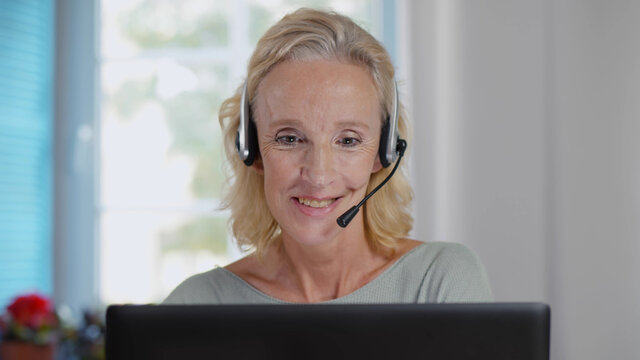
(318, 91)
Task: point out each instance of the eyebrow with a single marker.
(283, 122)
(340, 124)
(353, 124)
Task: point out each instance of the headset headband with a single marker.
(246, 137)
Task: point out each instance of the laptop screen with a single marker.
(393, 331)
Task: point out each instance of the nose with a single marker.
(319, 167)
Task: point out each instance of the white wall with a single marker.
(597, 112)
(528, 120)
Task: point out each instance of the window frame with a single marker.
(76, 84)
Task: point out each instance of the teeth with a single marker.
(315, 203)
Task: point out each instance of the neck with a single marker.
(328, 270)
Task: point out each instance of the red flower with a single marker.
(32, 311)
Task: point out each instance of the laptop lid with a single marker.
(399, 331)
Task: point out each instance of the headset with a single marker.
(247, 138)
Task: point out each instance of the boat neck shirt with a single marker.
(432, 272)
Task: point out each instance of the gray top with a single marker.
(432, 272)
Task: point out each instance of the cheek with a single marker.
(357, 172)
(279, 172)
(274, 183)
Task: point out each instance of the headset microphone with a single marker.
(346, 218)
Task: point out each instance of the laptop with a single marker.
(392, 331)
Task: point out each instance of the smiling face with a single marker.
(318, 126)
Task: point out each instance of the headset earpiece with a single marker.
(247, 135)
(388, 149)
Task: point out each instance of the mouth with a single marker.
(316, 203)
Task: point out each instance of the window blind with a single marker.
(26, 149)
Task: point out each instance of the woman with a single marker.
(320, 90)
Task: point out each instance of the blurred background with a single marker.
(525, 115)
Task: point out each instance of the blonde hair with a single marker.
(304, 35)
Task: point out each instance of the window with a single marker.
(165, 68)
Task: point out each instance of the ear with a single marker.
(377, 165)
(257, 166)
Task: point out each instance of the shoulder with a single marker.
(452, 273)
(203, 288)
(440, 254)
(447, 254)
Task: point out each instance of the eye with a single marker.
(288, 140)
(349, 141)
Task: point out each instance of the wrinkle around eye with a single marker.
(267, 147)
(270, 144)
